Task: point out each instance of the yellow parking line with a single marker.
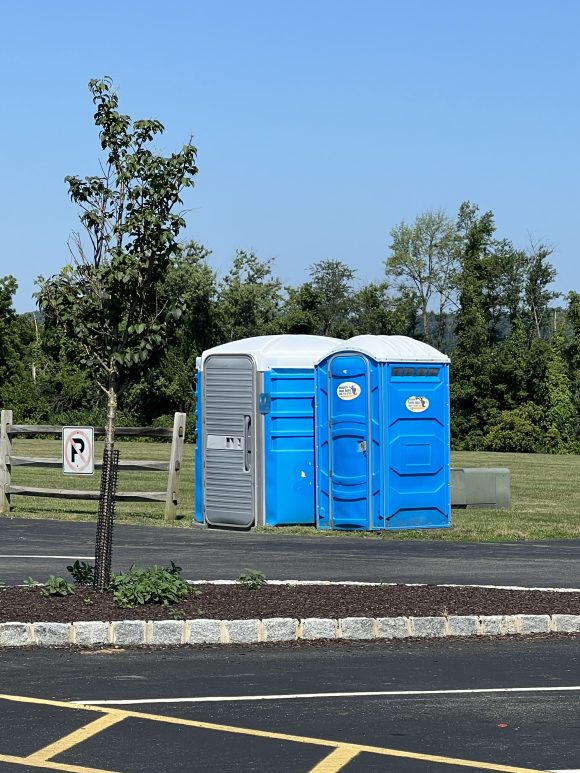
(47, 765)
(60, 704)
(383, 751)
(336, 760)
(76, 737)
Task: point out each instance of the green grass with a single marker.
(545, 503)
(545, 495)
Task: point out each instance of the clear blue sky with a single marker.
(319, 124)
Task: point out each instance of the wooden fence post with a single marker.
(5, 453)
(175, 461)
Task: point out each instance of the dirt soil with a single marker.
(234, 602)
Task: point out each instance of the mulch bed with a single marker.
(234, 602)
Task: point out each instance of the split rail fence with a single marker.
(8, 460)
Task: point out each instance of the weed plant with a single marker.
(148, 585)
(252, 578)
(57, 586)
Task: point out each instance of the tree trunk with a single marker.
(537, 323)
(441, 326)
(106, 514)
(425, 320)
(111, 418)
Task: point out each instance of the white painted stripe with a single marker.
(303, 696)
(334, 582)
(575, 770)
(388, 584)
(68, 558)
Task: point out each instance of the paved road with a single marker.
(28, 547)
(534, 724)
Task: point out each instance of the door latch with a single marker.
(362, 446)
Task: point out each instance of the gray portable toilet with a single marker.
(255, 431)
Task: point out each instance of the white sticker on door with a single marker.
(348, 390)
(417, 404)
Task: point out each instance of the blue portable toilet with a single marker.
(382, 435)
(255, 431)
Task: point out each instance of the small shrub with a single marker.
(57, 586)
(519, 430)
(174, 612)
(252, 578)
(148, 585)
(165, 421)
(82, 573)
(31, 583)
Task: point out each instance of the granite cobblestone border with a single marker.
(277, 629)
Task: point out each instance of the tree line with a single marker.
(120, 326)
(514, 345)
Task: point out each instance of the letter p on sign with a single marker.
(78, 457)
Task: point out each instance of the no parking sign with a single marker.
(78, 457)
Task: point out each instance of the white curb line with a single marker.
(357, 583)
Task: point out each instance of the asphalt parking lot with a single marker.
(491, 704)
(38, 548)
(505, 705)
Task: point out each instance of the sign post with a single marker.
(78, 450)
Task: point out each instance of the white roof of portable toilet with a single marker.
(277, 351)
(391, 349)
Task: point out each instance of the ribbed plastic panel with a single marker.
(228, 397)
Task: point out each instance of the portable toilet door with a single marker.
(229, 440)
(349, 455)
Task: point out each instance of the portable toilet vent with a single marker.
(255, 431)
(382, 435)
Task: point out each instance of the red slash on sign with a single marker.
(78, 450)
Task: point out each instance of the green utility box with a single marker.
(483, 488)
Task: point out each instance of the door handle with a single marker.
(362, 446)
(247, 443)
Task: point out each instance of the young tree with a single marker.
(539, 275)
(560, 412)
(300, 312)
(8, 287)
(332, 280)
(377, 312)
(472, 360)
(573, 348)
(324, 305)
(423, 257)
(249, 299)
(167, 387)
(108, 297)
(504, 268)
